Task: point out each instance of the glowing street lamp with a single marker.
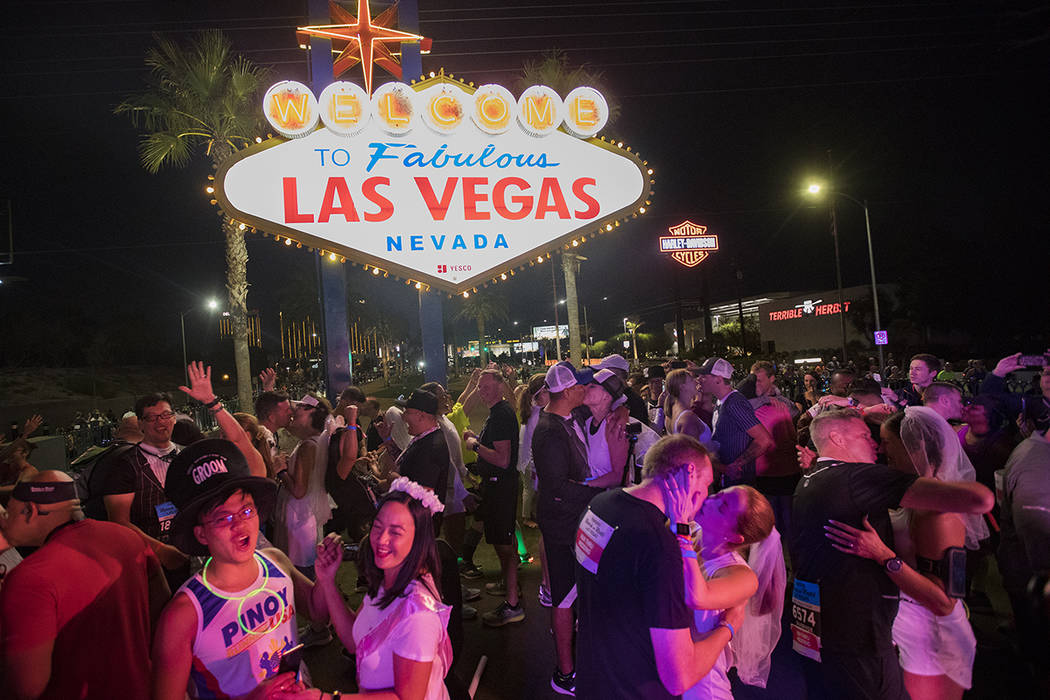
(212, 305)
(815, 189)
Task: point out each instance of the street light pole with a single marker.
(590, 336)
(557, 326)
(874, 284)
(185, 364)
(838, 280)
(212, 304)
(815, 189)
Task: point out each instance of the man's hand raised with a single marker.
(200, 383)
(268, 379)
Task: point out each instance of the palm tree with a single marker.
(203, 100)
(484, 307)
(554, 70)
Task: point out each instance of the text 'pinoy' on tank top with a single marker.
(240, 635)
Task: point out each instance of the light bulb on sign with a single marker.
(291, 108)
(345, 108)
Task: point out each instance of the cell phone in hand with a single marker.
(1032, 360)
(291, 660)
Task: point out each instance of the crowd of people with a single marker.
(681, 508)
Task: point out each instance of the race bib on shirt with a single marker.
(591, 539)
(805, 619)
(166, 512)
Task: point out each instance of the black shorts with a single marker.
(849, 677)
(561, 569)
(499, 506)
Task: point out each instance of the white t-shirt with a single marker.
(159, 459)
(413, 627)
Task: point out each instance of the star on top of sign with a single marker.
(363, 40)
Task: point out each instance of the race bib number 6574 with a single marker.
(805, 619)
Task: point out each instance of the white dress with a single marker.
(930, 645)
(304, 518)
(413, 627)
(715, 685)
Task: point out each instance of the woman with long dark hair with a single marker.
(399, 634)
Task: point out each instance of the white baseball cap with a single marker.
(615, 361)
(718, 367)
(307, 400)
(564, 376)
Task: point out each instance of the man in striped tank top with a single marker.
(226, 629)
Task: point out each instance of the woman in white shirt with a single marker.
(399, 635)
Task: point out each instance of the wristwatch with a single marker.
(682, 529)
(476, 447)
(893, 565)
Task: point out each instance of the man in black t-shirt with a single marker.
(497, 450)
(634, 637)
(843, 606)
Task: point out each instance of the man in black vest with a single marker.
(426, 459)
(134, 486)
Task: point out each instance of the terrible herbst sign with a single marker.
(435, 182)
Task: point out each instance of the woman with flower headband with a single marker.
(399, 634)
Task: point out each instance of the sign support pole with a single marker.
(557, 323)
(331, 278)
(431, 315)
(679, 325)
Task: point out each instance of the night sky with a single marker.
(935, 112)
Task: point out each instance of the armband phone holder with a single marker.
(951, 569)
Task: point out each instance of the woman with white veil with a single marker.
(734, 559)
(936, 643)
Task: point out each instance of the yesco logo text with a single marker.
(206, 469)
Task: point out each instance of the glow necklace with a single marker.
(240, 605)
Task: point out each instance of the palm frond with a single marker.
(161, 149)
(198, 93)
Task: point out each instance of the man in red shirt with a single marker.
(78, 612)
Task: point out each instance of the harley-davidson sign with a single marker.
(436, 182)
(688, 243)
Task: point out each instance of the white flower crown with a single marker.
(425, 496)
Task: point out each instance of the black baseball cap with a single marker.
(203, 472)
(423, 400)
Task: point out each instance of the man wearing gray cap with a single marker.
(739, 434)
